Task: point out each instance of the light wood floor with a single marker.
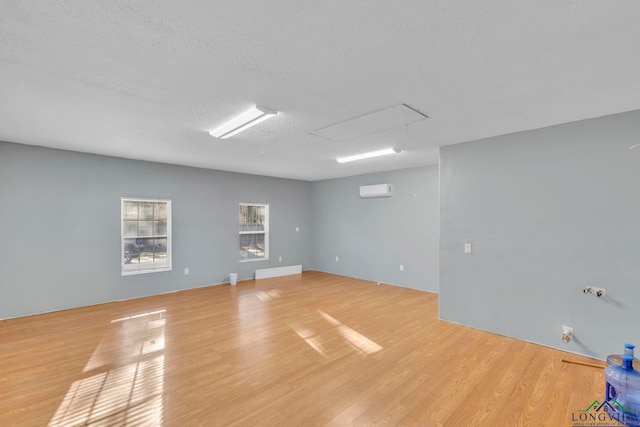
(307, 350)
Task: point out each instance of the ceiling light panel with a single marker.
(368, 155)
(244, 121)
(378, 121)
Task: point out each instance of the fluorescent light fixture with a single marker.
(244, 121)
(369, 155)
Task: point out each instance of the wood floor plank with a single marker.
(311, 349)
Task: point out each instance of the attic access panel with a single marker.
(368, 124)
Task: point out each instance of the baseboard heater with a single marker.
(266, 273)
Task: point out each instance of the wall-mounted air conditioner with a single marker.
(379, 190)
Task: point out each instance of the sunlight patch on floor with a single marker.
(310, 337)
(354, 338)
(137, 316)
(265, 296)
(125, 378)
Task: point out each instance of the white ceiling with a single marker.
(148, 79)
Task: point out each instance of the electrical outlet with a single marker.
(297, 229)
(467, 248)
(337, 259)
(401, 267)
(186, 271)
(280, 258)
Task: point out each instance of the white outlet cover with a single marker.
(467, 248)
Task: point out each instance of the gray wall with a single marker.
(60, 226)
(548, 212)
(372, 237)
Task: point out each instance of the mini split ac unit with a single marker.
(379, 190)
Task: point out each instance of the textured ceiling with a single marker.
(148, 79)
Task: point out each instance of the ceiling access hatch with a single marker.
(371, 123)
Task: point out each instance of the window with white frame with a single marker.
(254, 232)
(146, 235)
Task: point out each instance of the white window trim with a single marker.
(124, 270)
(265, 232)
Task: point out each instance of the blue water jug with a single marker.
(623, 391)
(616, 359)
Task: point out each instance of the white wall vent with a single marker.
(379, 190)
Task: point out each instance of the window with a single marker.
(254, 232)
(146, 235)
